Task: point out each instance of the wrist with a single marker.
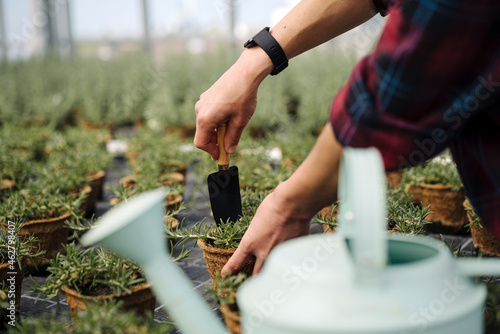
(296, 203)
(254, 64)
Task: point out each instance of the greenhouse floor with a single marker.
(194, 267)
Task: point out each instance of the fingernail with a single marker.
(231, 150)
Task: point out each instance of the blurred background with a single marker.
(105, 29)
(117, 63)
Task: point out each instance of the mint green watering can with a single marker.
(357, 280)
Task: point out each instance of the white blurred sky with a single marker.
(122, 18)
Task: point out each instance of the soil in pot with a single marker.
(447, 206)
(216, 258)
(52, 236)
(141, 300)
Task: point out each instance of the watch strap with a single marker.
(270, 45)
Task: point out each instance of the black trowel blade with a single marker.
(224, 191)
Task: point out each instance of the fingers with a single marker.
(236, 262)
(259, 262)
(205, 137)
(233, 135)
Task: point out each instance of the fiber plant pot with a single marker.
(52, 236)
(231, 318)
(96, 182)
(141, 300)
(216, 258)
(128, 181)
(87, 201)
(173, 178)
(447, 206)
(172, 203)
(7, 184)
(174, 165)
(482, 238)
(132, 157)
(394, 178)
(18, 283)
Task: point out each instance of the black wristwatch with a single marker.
(266, 41)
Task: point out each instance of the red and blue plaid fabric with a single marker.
(433, 82)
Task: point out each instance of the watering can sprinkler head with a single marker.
(132, 226)
(135, 230)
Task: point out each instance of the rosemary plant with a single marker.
(224, 235)
(23, 249)
(31, 204)
(403, 215)
(226, 289)
(440, 170)
(473, 217)
(106, 318)
(92, 271)
(329, 219)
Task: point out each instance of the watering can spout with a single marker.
(478, 267)
(135, 230)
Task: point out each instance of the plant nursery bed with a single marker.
(195, 268)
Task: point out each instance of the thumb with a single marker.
(233, 136)
(236, 262)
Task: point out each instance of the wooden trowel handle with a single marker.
(223, 160)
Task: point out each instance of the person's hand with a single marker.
(286, 213)
(232, 99)
(271, 226)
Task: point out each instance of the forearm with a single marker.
(307, 25)
(313, 22)
(314, 184)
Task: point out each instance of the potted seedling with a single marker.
(482, 238)
(14, 253)
(403, 215)
(224, 293)
(97, 275)
(220, 241)
(437, 183)
(82, 169)
(43, 212)
(129, 187)
(108, 318)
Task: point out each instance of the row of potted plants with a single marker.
(136, 89)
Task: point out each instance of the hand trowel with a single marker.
(224, 185)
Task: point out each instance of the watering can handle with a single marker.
(362, 209)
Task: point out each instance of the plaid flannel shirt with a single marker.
(432, 82)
